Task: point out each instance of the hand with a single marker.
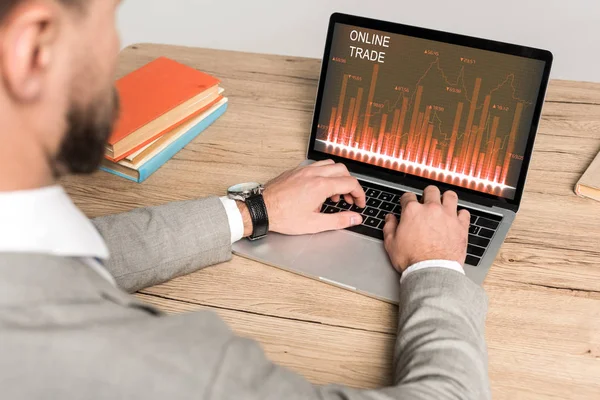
(429, 231)
(294, 199)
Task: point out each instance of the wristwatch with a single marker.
(252, 194)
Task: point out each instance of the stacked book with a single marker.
(164, 106)
(589, 184)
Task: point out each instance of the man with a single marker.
(66, 329)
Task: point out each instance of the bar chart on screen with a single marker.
(441, 119)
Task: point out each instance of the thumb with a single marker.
(342, 220)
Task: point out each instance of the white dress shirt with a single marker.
(45, 221)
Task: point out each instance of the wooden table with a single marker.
(543, 328)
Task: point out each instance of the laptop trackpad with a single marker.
(352, 261)
(342, 258)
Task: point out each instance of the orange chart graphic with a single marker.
(473, 158)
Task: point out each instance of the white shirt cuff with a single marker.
(236, 223)
(453, 265)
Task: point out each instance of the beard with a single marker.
(88, 129)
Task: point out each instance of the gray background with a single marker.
(570, 29)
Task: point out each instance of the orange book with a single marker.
(155, 99)
(152, 148)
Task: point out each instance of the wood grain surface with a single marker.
(543, 327)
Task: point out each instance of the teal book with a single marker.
(142, 173)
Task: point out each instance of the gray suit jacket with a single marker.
(67, 333)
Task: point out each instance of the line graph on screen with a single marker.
(454, 122)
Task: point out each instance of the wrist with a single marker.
(248, 227)
(443, 264)
(270, 210)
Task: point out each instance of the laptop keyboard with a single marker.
(383, 200)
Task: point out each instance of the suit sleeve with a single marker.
(150, 246)
(440, 352)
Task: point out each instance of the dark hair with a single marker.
(6, 6)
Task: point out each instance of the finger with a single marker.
(407, 198)
(431, 195)
(389, 229)
(450, 201)
(330, 222)
(348, 199)
(321, 163)
(345, 185)
(331, 170)
(336, 198)
(465, 218)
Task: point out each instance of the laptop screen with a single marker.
(445, 112)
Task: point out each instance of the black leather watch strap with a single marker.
(258, 213)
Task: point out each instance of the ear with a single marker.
(27, 42)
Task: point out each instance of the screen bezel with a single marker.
(450, 38)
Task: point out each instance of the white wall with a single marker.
(568, 28)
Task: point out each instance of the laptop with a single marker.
(403, 108)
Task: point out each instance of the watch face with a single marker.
(243, 190)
